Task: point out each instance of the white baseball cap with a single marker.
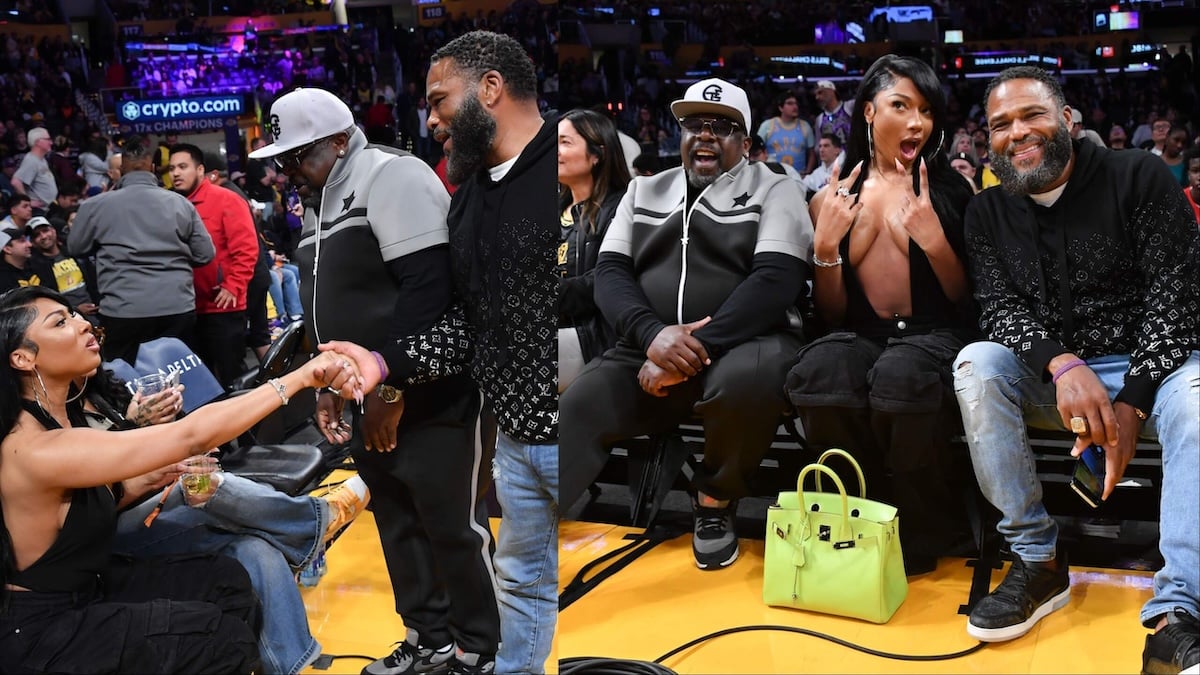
(302, 116)
(716, 96)
(825, 84)
(36, 222)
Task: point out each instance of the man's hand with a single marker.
(379, 423)
(676, 350)
(1118, 454)
(329, 418)
(655, 380)
(368, 367)
(87, 308)
(1081, 394)
(224, 299)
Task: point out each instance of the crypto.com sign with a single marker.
(172, 109)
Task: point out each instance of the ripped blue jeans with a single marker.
(999, 395)
(526, 480)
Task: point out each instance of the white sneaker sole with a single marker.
(1017, 630)
(1194, 670)
(720, 565)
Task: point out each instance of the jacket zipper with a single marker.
(687, 213)
(317, 265)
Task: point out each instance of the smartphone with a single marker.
(1088, 479)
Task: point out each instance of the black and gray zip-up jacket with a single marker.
(737, 254)
(1111, 267)
(379, 271)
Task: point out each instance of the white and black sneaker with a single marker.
(714, 542)
(410, 657)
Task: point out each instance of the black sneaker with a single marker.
(1029, 592)
(1175, 648)
(466, 663)
(714, 542)
(410, 657)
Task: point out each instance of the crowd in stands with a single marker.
(1127, 102)
(142, 10)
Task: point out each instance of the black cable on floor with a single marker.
(324, 661)
(597, 665)
(823, 636)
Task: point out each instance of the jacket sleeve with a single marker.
(82, 241)
(757, 305)
(427, 337)
(1005, 317)
(241, 240)
(617, 292)
(777, 273)
(199, 242)
(1167, 248)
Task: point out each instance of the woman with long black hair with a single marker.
(890, 285)
(592, 178)
(65, 606)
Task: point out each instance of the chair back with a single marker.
(167, 355)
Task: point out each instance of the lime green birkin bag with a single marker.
(831, 553)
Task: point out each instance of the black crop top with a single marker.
(81, 551)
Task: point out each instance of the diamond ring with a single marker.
(843, 192)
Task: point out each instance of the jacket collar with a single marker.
(341, 166)
(203, 191)
(138, 178)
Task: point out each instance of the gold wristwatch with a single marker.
(389, 394)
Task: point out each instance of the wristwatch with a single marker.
(389, 394)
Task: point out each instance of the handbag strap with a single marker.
(819, 469)
(836, 452)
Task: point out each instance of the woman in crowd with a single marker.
(890, 284)
(592, 179)
(93, 162)
(66, 606)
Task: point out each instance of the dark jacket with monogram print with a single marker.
(1109, 268)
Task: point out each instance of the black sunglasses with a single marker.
(720, 128)
(290, 161)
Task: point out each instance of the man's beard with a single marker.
(473, 131)
(700, 181)
(1056, 154)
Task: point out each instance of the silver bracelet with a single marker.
(279, 389)
(821, 263)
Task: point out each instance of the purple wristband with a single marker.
(1062, 370)
(383, 369)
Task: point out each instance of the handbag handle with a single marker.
(836, 452)
(819, 469)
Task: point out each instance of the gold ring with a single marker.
(1079, 425)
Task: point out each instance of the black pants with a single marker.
(123, 336)
(890, 403)
(428, 500)
(739, 398)
(258, 335)
(193, 614)
(220, 342)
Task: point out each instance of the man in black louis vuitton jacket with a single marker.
(504, 232)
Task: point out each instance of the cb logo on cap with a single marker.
(712, 92)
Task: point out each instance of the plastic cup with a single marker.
(199, 482)
(152, 384)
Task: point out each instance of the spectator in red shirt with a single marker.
(221, 284)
